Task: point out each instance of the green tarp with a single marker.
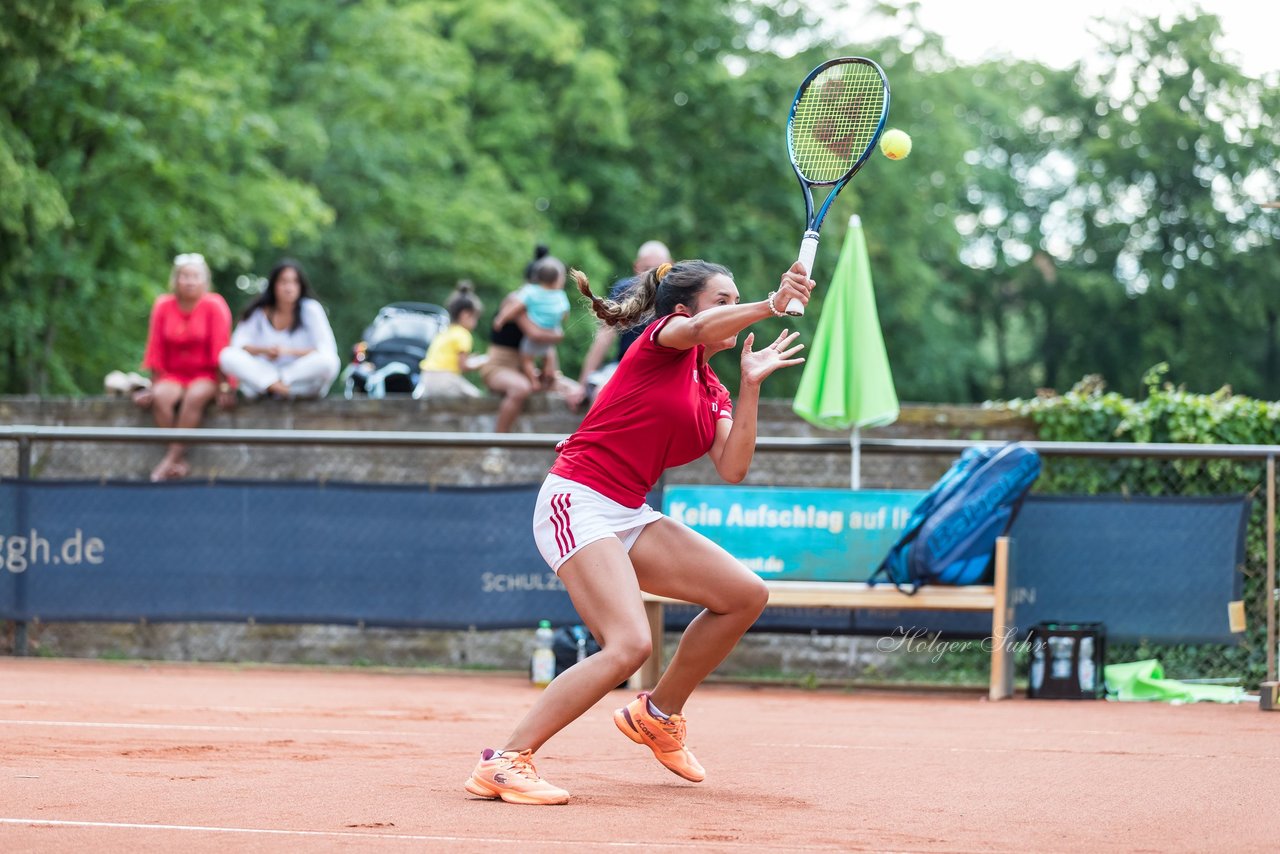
(1144, 680)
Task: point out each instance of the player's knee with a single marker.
(753, 597)
(629, 652)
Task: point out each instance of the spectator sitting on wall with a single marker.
(546, 304)
(189, 327)
(502, 374)
(283, 345)
(449, 356)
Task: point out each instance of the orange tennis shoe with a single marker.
(510, 775)
(664, 737)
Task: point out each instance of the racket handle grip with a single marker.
(808, 252)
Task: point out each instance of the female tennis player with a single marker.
(664, 407)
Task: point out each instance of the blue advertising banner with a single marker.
(1163, 569)
(1158, 569)
(274, 552)
(797, 534)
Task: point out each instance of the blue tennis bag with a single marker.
(951, 534)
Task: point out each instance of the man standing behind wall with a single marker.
(595, 373)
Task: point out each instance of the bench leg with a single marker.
(1002, 623)
(647, 676)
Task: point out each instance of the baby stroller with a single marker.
(386, 361)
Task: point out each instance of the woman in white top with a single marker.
(283, 345)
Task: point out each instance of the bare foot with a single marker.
(278, 389)
(143, 398)
(170, 469)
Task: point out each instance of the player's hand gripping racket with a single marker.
(837, 117)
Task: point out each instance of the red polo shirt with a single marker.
(658, 411)
(183, 348)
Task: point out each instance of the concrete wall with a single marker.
(822, 657)
(456, 465)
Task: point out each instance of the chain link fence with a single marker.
(481, 459)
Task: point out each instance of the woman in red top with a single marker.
(664, 407)
(189, 327)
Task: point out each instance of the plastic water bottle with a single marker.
(1088, 673)
(543, 668)
(1060, 657)
(580, 633)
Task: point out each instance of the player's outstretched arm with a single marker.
(724, 321)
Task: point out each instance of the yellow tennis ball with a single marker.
(895, 144)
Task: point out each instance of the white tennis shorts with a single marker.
(569, 516)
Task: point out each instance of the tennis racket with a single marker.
(835, 121)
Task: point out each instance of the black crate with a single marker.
(1066, 661)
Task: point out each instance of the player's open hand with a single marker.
(758, 364)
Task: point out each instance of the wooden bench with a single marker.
(848, 594)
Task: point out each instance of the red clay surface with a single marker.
(104, 757)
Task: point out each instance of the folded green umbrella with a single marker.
(1144, 680)
(847, 381)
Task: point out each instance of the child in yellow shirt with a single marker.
(449, 355)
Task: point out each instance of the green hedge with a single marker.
(1089, 413)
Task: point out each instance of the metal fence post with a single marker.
(1271, 568)
(21, 517)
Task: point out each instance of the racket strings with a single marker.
(835, 120)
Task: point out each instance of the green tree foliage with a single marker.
(1176, 139)
(35, 35)
(146, 134)
(1048, 223)
(433, 129)
(1120, 225)
(704, 167)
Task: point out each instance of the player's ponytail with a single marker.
(635, 306)
(654, 293)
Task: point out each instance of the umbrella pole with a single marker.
(855, 465)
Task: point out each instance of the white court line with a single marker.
(278, 710)
(216, 728)
(405, 715)
(1153, 754)
(505, 841)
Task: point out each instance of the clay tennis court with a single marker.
(112, 756)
